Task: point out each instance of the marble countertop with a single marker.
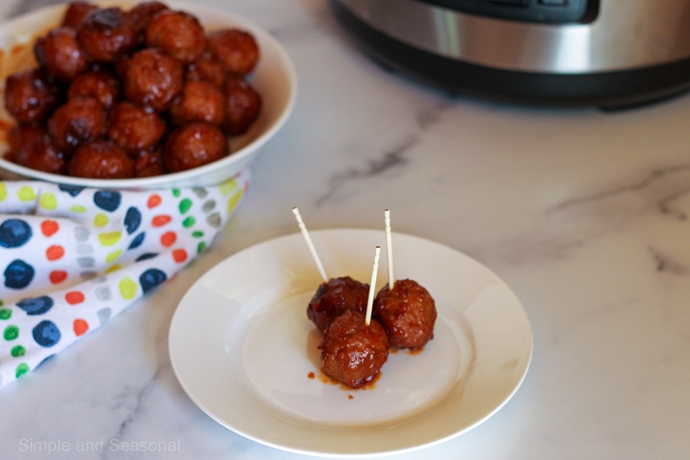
(583, 213)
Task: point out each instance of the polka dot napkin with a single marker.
(71, 258)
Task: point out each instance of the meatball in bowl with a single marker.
(138, 95)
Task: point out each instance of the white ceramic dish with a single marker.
(274, 78)
(242, 348)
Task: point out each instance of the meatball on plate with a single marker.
(83, 72)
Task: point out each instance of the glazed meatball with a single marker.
(107, 34)
(119, 67)
(38, 153)
(153, 79)
(31, 96)
(78, 121)
(142, 14)
(19, 135)
(206, 68)
(134, 129)
(76, 12)
(335, 297)
(101, 84)
(236, 49)
(352, 352)
(242, 105)
(407, 313)
(199, 101)
(149, 163)
(101, 160)
(178, 34)
(60, 54)
(193, 145)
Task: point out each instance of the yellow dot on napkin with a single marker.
(113, 256)
(113, 268)
(78, 208)
(128, 288)
(48, 201)
(101, 220)
(109, 238)
(228, 186)
(26, 193)
(3, 192)
(234, 200)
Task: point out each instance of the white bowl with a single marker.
(274, 78)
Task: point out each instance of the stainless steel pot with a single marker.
(558, 52)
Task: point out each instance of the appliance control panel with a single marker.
(544, 11)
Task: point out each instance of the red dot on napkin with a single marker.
(159, 221)
(168, 239)
(74, 297)
(57, 276)
(179, 255)
(153, 201)
(80, 327)
(55, 252)
(49, 227)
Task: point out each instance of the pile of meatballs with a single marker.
(131, 93)
(353, 352)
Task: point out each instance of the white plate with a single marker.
(242, 348)
(274, 78)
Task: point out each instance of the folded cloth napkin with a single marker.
(73, 257)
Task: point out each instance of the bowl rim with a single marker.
(167, 180)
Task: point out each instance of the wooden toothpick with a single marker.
(389, 249)
(310, 245)
(372, 285)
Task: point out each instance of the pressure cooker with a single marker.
(609, 53)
